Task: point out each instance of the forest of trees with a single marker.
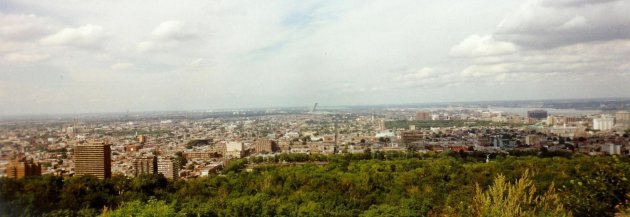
(370, 184)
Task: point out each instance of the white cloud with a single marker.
(146, 46)
(429, 78)
(10, 46)
(168, 34)
(121, 66)
(476, 45)
(173, 30)
(214, 53)
(575, 22)
(486, 70)
(541, 38)
(19, 33)
(87, 36)
(26, 57)
(196, 62)
(418, 75)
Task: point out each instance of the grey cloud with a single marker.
(602, 58)
(574, 3)
(540, 26)
(230, 53)
(24, 27)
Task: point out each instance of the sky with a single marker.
(82, 56)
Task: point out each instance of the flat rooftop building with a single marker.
(93, 158)
(168, 167)
(144, 165)
(20, 168)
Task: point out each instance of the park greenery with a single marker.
(368, 184)
(198, 142)
(404, 124)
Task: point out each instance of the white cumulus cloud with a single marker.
(87, 36)
(476, 45)
(173, 30)
(168, 34)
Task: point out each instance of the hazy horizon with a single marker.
(319, 107)
(70, 56)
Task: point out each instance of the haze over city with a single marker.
(67, 56)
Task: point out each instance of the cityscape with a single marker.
(195, 144)
(315, 108)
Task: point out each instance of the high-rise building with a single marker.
(537, 114)
(423, 116)
(623, 118)
(532, 140)
(612, 149)
(603, 123)
(142, 139)
(201, 155)
(93, 158)
(569, 120)
(265, 146)
(381, 125)
(234, 150)
(20, 168)
(145, 165)
(410, 136)
(551, 120)
(168, 167)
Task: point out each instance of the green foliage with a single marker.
(505, 199)
(235, 166)
(386, 210)
(198, 142)
(597, 186)
(152, 208)
(406, 184)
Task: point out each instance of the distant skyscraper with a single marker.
(623, 118)
(93, 159)
(423, 116)
(408, 137)
(537, 114)
(381, 125)
(141, 138)
(145, 165)
(20, 168)
(314, 107)
(603, 123)
(551, 120)
(234, 150)
(168, 167)
(265, 146)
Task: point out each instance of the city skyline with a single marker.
(92, 56)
